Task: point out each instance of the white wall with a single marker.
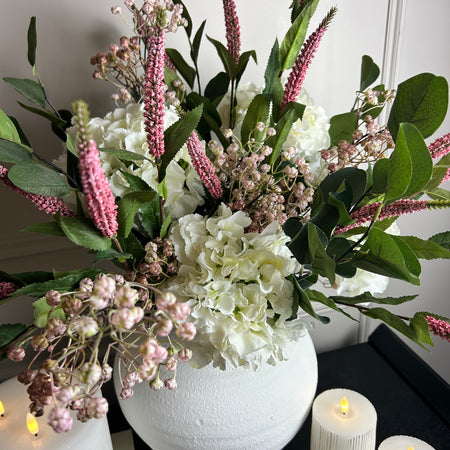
(70, 32)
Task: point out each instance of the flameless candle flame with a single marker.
(344, 405)
(2, 409)
(411, 448)
(32, 424)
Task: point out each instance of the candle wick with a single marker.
(35, 434)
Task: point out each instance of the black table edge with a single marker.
(428, 384)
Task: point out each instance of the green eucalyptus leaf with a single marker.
(165, 226)
(128, 207)
(43, 113)
(301, 298)
(367, 297)
(218, 86)
(425, 249)
(32, 41)
(342, 127)
(29, 89)
(38, 179)
(196, 41)
(228, 63)
(83, 232)
(131, 244)
(380, 176)
(420, 326)
(210, 119)
(151, 218)
(440, 170)
(63, 284)
(369, 72)
(185, 70)
(13, 152)
(393, 321)
(111, 254)
(10, 331)
(177, 134)
(124, 155)
(443, 239)
(383, 254)
(421, 162)
(258, 111)
(421, 100)
(400, 169)
(50, 228)
(320, 297)
(243, 62)
(8, 130)
(438, 194)
(321, 263)
(337, 181)
(273, 86)
(136, 183)
(292, 42)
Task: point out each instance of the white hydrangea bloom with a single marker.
(124, 128)
(365, 281)
(235, 283)
(309, 135)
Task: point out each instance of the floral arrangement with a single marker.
(221, 208)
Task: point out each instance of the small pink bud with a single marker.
(186, 331)
(16, 353)
(53, 298)
(156, 384)
(165, 301)
(171, 363)
(60, 420)
(97, 407)
(126, 394)
(185, 354)
(179, 311)
(170, 383)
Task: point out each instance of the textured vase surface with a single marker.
(232, 409)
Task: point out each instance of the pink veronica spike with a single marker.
(233, 31)
(439, 327)
(203, 166)
(50, 205)
(154, 93)
(397, 208)
(97, 192)
(297, 76)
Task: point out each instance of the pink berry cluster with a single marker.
(133, 318)
(124, 64)
(369, 145)
(6, 289)
(159, 263)
(439, 327)
(266, 191)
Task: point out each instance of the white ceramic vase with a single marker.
(232, 409)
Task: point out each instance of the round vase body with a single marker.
(232, 409)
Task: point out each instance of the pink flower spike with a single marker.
(233, 31)
(50, 205)
(439, 327)
(297, 76)
(440, 147)
(6, 289)
(97, 192)
(203, 166)
(154, 93)
(397, 208)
